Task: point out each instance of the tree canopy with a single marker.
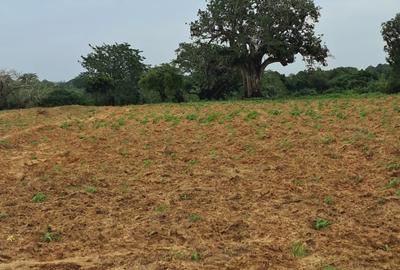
(161, 84)
(262, 32)
(391, 36)
(112, 73)
(210, 69)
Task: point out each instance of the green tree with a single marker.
(262, 32)
(210, 69)
(112, 74)
(162, 83)
(391, 36)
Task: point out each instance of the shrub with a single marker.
(62, 97)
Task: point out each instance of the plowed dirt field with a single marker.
(234, 185)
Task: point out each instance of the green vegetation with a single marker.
(393, 166)
(214, 69)
(320, 224)
(91, 189)
(3, 216)
(39, 198)
(329, 200)
(196, 257)
(394, 183)
(195, 218)
(330, 267)
(299, 250)
(50, 235)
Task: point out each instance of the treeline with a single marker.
(233, 44)
(168, 83)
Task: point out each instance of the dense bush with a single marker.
(65, 96)
(163, 83)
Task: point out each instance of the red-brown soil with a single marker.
(150, 187)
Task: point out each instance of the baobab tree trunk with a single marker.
(251, 74)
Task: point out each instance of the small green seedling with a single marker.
(196, 257)
(39, 198)
(320, 224)
(394, 183)
(50, 235)
(299, 250)
(194, 218)
(91, 189)
(191, 117)
(147, 163)
(252, 115)
(329, 200)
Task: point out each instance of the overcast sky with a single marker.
(48, 37)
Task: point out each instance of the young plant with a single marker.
(192, 117)
(274, 112)
(195, 218)
(91, 189)
(320, 224)
(299, 250)
(39, 198)
(252, 115)
(147, 163)
(196, 257)
(393, 166)
(50, 235)
(394, 183)
(329, 200)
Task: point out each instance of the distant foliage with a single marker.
(210, 70)
(112, 74)
(258, 33)
(65, 96)
(163, 83)
(22, 90)
(319, 82)
(391, 36)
